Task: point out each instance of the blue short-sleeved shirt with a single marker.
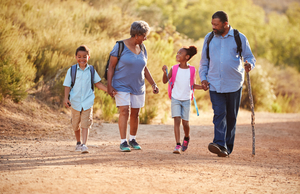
(129, 73)
(81, 95)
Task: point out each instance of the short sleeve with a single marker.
(114, 51)
(96, 77)
(68, 80)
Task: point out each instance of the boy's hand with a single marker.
(164, 68)
(67, 103)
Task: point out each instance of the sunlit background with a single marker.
(38, 40)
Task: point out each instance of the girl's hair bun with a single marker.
(191, 50)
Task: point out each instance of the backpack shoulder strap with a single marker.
(210, 37)
(174, 72)
(192, 80)
(73, 74)
(121, 48)
(92, 69)
(238, 42)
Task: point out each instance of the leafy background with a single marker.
(38, 40)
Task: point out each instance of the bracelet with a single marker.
(154, 84)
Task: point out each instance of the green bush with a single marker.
(147, 114)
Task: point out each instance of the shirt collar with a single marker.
(230, 33)
(87, 66)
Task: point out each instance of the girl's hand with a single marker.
(164, 68)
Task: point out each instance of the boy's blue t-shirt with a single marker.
(81, 95)
(129, 73)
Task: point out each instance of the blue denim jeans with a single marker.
(226, 107)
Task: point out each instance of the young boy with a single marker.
(81, 96)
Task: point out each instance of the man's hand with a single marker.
(247, 66)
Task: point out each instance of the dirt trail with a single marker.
(38, 157)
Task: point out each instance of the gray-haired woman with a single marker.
(128, 81)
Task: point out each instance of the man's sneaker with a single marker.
(177, 149)
(125, 147)
(134, 145)
(78, 148)
(185, 144)
(217, 149)
(84, 149)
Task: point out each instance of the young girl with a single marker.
(181, 88)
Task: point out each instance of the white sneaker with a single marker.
(78, 148)
(84, 149)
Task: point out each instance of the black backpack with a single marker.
(74, 71)
(237, 39)
(120, 50)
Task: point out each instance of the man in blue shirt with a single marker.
(223, 74)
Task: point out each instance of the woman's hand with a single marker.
(155, 89)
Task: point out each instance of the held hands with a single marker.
(247, 66)
(67, 103)
(111, 91)
(205, 85)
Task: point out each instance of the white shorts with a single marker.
(127, 99)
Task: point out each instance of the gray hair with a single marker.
(139, 28)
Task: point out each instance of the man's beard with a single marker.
(219, 32)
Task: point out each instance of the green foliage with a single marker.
(107, 105)
(147, 114)
(38, 40)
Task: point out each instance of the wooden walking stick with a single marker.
(252, 113)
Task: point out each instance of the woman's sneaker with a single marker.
(185, 144)
(84, 149)
(177, 149)
(125, 147)
(134, 145)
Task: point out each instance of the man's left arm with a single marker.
(247, 53)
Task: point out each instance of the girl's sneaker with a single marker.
(177, 149)
(125, 147)
(185, 144)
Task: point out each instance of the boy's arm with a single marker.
(100, 86)
(67, 92)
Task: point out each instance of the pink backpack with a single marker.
(172, 79)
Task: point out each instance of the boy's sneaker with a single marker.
(84, 149)
(78, 148)
(185, 144)
(134, 144)
(125, 147)
(177, 149)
